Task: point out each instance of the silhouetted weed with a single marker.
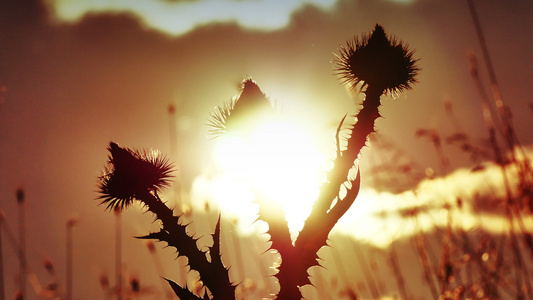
(378, 63)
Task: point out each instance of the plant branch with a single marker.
(213, 274)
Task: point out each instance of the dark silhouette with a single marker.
(380, 64)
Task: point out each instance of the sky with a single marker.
(75, 75)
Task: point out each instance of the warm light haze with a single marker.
(445, 204)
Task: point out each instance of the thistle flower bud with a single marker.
(243, 113)
(377, 60)
(130, 173)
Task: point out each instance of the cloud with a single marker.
(179, 17)
(381, 217)
(470, 200)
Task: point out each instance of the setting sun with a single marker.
(280, 161)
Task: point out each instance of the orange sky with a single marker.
(67, 89)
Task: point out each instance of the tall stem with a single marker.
(70, 225)
(22, 242)
(342, 165)
(319, 223)
(2, 291)
(486, 57)
(174, 153)
(118, 253)
(69, 263)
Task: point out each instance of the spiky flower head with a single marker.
(377, 60)
(130, 173)
(242, 112)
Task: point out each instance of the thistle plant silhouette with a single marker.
(376, 64)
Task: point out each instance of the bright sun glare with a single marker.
(278, 161)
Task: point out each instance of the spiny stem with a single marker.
(342, 165)
(214, 274)
(319, 223)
